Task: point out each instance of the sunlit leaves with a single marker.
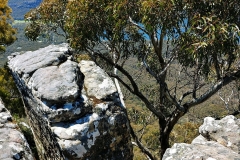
(32, 31)
(213, 35)
(161, 15)
(87, 19)
(6, 31)
(47, 18)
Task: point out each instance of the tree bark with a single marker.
(164, 138)
(166, 127)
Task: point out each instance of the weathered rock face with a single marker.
(76, 105)
(97, 81)
(218, 139)
(13, 144)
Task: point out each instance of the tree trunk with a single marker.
(166, 127)
(164, 137)
(164, 143)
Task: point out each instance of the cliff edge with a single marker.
(74, 109)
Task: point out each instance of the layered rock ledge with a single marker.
(218, 140)
(13, 144)
(74, 109)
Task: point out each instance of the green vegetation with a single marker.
(30, 139)
(23, 44)
(10, 95)
(183, 52)
(6, 31)
(13, 102)
(8, 90)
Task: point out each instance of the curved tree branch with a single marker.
(135, 89)
(138, 142)
(140, 95)
(137, 25)
(221, 83)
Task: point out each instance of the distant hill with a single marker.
(21, 7)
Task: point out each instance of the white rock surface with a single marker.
(208, 151)
(57, 83)
(97, 83)
(79, 101)
(225, 131)
(13, 144)
(218, 140)
(30, 61)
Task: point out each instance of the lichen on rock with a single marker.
(79, 102)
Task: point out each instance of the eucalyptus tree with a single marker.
(202, 37)
(7, 32)
(46, 19)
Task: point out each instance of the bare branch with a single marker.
(140, 145)
(145, 125)
(137, 25)
(140, 95)
(223, 82)
(225, 101)
(148, 68)
(166, 66)
(135, 89)
(120, 80)
(173, 100)
(184, 95)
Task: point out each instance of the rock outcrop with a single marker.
(74, 109)
(218, 140)
(13, 144)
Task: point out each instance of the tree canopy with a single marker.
(202, 37)
(6, 31)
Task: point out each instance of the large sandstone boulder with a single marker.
(13, 144)
(218, 140)
(78, 102)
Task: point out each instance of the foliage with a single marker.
(6, 31)
(13, 102)
(201, 37)
(30, 139)
(82, 56)
(214, 38)
(48, 17)
(10, 95)
(184, 133)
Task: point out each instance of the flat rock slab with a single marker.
(13, 144)
(30, 61)
(53, 79)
